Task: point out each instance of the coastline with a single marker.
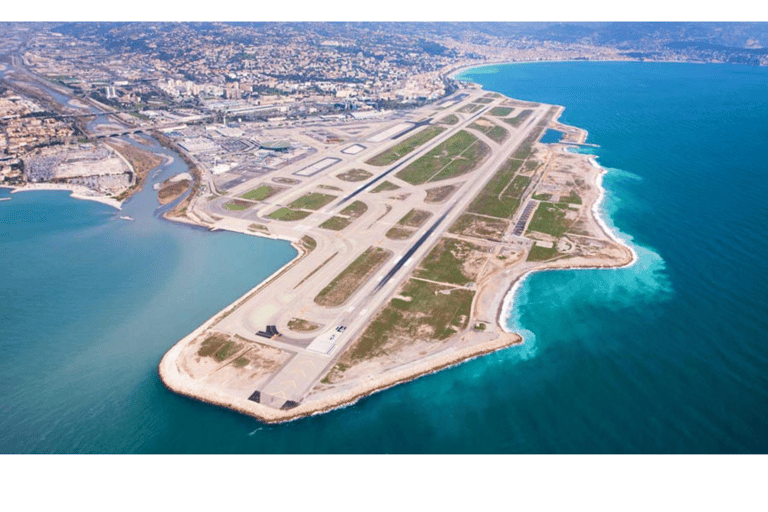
(507, 306)
(178, 381)
(467, 66)
(76, 192)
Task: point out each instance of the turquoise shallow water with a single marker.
(668, 356)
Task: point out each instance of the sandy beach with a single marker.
(77, 192)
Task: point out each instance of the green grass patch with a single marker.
(497, 134)
(415, 218)
(539, 253)
(227, 350)
(287, 215)
(445, 263)
(210, 345)
(258, 227)
(354, 175)
(355, 210)
(572, 198)
(399, 233)
(517, 187)
(500, 111)
(519, 118)
(351, 278)
(480, 227)
(403, 148)
(458, 155)
(237, 205)
(385, 186)
(240, 362)
(260, 193)
(542, 197)
(312, 201)
(490, 201)
(430, 314)
(449, 119)
(549, 218)
(493, 131)
(470, 108)
(301, 325)
(440, 194)
(309, 243)
(336, 223)
(483, 101)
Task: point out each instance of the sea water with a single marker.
(666, 356)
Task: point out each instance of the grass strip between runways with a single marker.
(351, 278)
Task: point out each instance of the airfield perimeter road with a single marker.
(292, 294)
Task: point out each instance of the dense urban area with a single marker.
(156, 73)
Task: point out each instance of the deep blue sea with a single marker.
(667, 356)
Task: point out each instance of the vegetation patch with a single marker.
(542, 197)
(287, 215)
(517, 187)
(452, 261)
(400, 150)
(219, 347)
(458, 155)
(415, 218)
(491, 200)
(336, 223)
(351, 278)
(493, 131)
(539, 253)
(433, 313)
(385, 187)
(500, 111)
(470, 108)
(261, 192)
(355, 210)
(519, 118)
(211, 344)
(572, 198)
(301, 325)
(237, 205)
(258, 227)
(449, 119)
(241, 361)
(549, 218)
(354, 175)
(172, 190)
(286, 181)
(312, 201)
(475, 226)
(347, 215)
(440, 194)
(399, 233)
(334, 373)
(308, 243)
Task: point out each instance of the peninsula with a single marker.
(412, 230)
